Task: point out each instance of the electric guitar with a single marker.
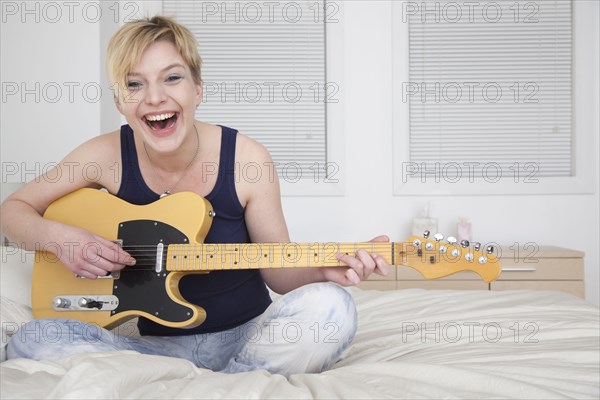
(166, 239)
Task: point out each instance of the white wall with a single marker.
(36, 133)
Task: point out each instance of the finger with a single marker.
(367, 262)
(382, 267)
(352, 277)
(380, 239)
(105, 266)
(352, 262)
(114, 253)
(95, 255)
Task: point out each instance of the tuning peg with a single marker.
(438, 237)
(489, 249)
(426, 234)
(452, 240)
(464, 243)
(476, 246)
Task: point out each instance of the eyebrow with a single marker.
(168, 67)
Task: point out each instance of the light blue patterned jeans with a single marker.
(305, 330)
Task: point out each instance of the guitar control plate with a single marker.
(85, 303)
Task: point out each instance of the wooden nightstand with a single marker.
(524, 267)
(533, 267)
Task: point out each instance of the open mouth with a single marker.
(159, 122)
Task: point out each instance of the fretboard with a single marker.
(232, 256)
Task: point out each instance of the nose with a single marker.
(155, 94)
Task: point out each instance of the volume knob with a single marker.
(59, 302)
(84, 302)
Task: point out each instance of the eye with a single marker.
(173, 78)
(134, 85)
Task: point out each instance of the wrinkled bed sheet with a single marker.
(410, 344)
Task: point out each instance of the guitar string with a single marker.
(143, 255)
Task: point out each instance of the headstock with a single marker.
(436, 258)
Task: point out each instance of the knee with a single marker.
(27, 339)
(330, 302)
(331, 312)
(36, 337)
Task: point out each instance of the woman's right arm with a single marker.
(23, 224)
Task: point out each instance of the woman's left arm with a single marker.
(266, 224)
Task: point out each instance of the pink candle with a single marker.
(464, 229)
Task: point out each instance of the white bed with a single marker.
(410, 344)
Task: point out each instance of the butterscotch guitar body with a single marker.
(145, 289)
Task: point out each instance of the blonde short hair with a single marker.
(129, 42)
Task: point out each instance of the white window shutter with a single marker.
(264, 73)
(488, 88)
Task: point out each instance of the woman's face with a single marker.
(161, 98)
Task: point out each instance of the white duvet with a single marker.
(410, 344)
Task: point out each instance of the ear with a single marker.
(118, 104)
(198, 97)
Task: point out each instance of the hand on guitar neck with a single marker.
(361, 265)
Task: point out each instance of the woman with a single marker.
(162, 150)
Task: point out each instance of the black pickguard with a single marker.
(140, 287)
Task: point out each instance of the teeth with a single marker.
(159, 117)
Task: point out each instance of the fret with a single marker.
(186, 258)
(198, 257)
(260, 256)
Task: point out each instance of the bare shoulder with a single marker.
(97, 161)
(256, 173)
(100, 147)
(249, 150)
(91, 164)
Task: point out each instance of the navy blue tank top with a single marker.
(230, 298)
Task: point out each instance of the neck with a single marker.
(174, 161)
(203, 257)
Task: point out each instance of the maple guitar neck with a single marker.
(433, 259)
(233, 256)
